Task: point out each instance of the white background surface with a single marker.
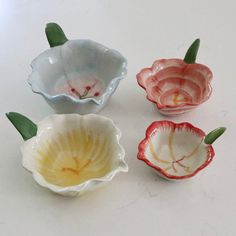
(139, 202)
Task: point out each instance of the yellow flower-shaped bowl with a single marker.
(72, 154)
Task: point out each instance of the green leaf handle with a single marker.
(191, 54)
(26, 127)
(55, 35)
(213, 135)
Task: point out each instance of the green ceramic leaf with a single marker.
(191, 54)
(213, 135)
(26, 127)
(55, 35)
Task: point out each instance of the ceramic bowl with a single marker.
(72, 154)
(175, 151)
(77, 77)
(174, 86)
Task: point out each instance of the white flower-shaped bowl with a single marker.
(175, 151)
(77, 77)
(72, 154)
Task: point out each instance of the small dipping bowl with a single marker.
(175, 151)
(77, 77)
(72, 154)
(174, 86)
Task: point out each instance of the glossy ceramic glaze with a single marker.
(77, 77)
(175, 151)
(174, 86)
(72, 154)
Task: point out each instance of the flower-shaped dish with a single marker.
(72, 154)
(78, 76)
(175, 86)
(175, 151)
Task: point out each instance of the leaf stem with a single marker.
(55, 35)
(213, 135)
(191, 54)
(25, 126)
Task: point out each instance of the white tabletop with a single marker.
(137, 202)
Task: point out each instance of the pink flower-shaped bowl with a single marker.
(175, 151)
(175, 86)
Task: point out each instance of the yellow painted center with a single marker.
(178, 99)
(75, 157)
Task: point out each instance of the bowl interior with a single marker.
(75, 151)
(79, 68)
(177, 152)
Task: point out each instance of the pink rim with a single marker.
(157, 124)
(182, 63)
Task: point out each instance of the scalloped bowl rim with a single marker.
(155, 125)
(107, 92)
(122, 167)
